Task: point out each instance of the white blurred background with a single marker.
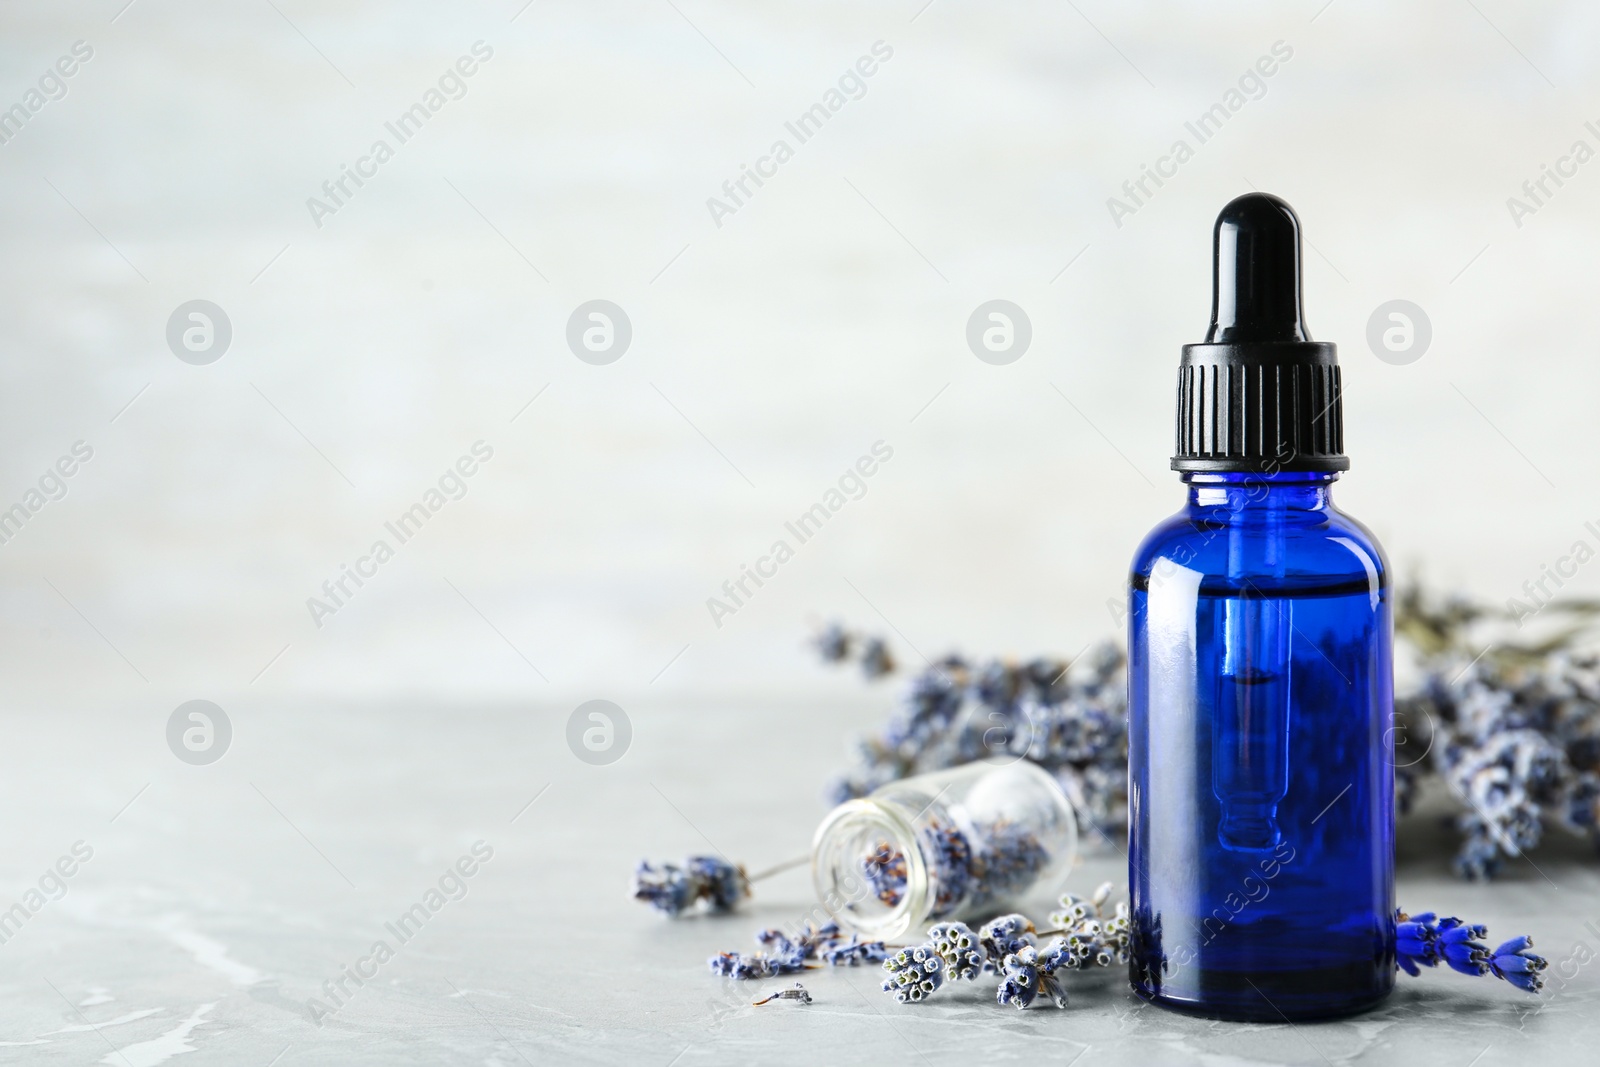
(767, 353)
(826, 314)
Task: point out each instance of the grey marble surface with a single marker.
(218, 902)
(770, 350)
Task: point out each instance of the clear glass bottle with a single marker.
(964, 843)
(1261, 779)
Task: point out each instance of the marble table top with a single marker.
(218, 905)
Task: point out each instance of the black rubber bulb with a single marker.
(1256, 273)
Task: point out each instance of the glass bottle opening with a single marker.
(868, 869)
(963, 843)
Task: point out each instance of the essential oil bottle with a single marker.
(1261, 779)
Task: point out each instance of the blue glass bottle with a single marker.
(1261, 788)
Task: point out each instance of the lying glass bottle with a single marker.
(965, 843)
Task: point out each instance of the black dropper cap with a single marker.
(1259, 394)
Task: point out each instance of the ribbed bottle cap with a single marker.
(1259, 394)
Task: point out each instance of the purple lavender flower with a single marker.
(804, 945)
(1513, 962)
(949, 856)
(997, 684)
(1424, 940)
(725, 884)
(1056, 956)
(787, 956)
(1095, 936)
(1406, 780)
(1073, 723)
(785, 953)
(746, 968)
(926, 712)
(673, 890)
(1478, 859)
(667, 888)
(1008, 858)
(1460, 946)
(875, 659)
(1582, 808)
(1003, 937)
(914, 974)
(1019, 984)
(958, 946)
(1028, 972)
(835, 644)
(1052, 958)
(971, 873)
(884, 869)
(1513, 729)
(832, 643)
(849, 953)
(1414, 942)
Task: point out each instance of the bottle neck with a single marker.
(1281, 491)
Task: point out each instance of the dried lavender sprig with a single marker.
(1005, 936)
(835, 644)
(1067, 716)
(1425, 940)
(787, 955)
(1512, 727)
(849, 953)
(782, 955)
(914, 973)
(953, 951)
(756, 965)
(1006, 947)
(960, 949)
(1029, 972)
(1096, 936)
(673, 889)
(1097, 931)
